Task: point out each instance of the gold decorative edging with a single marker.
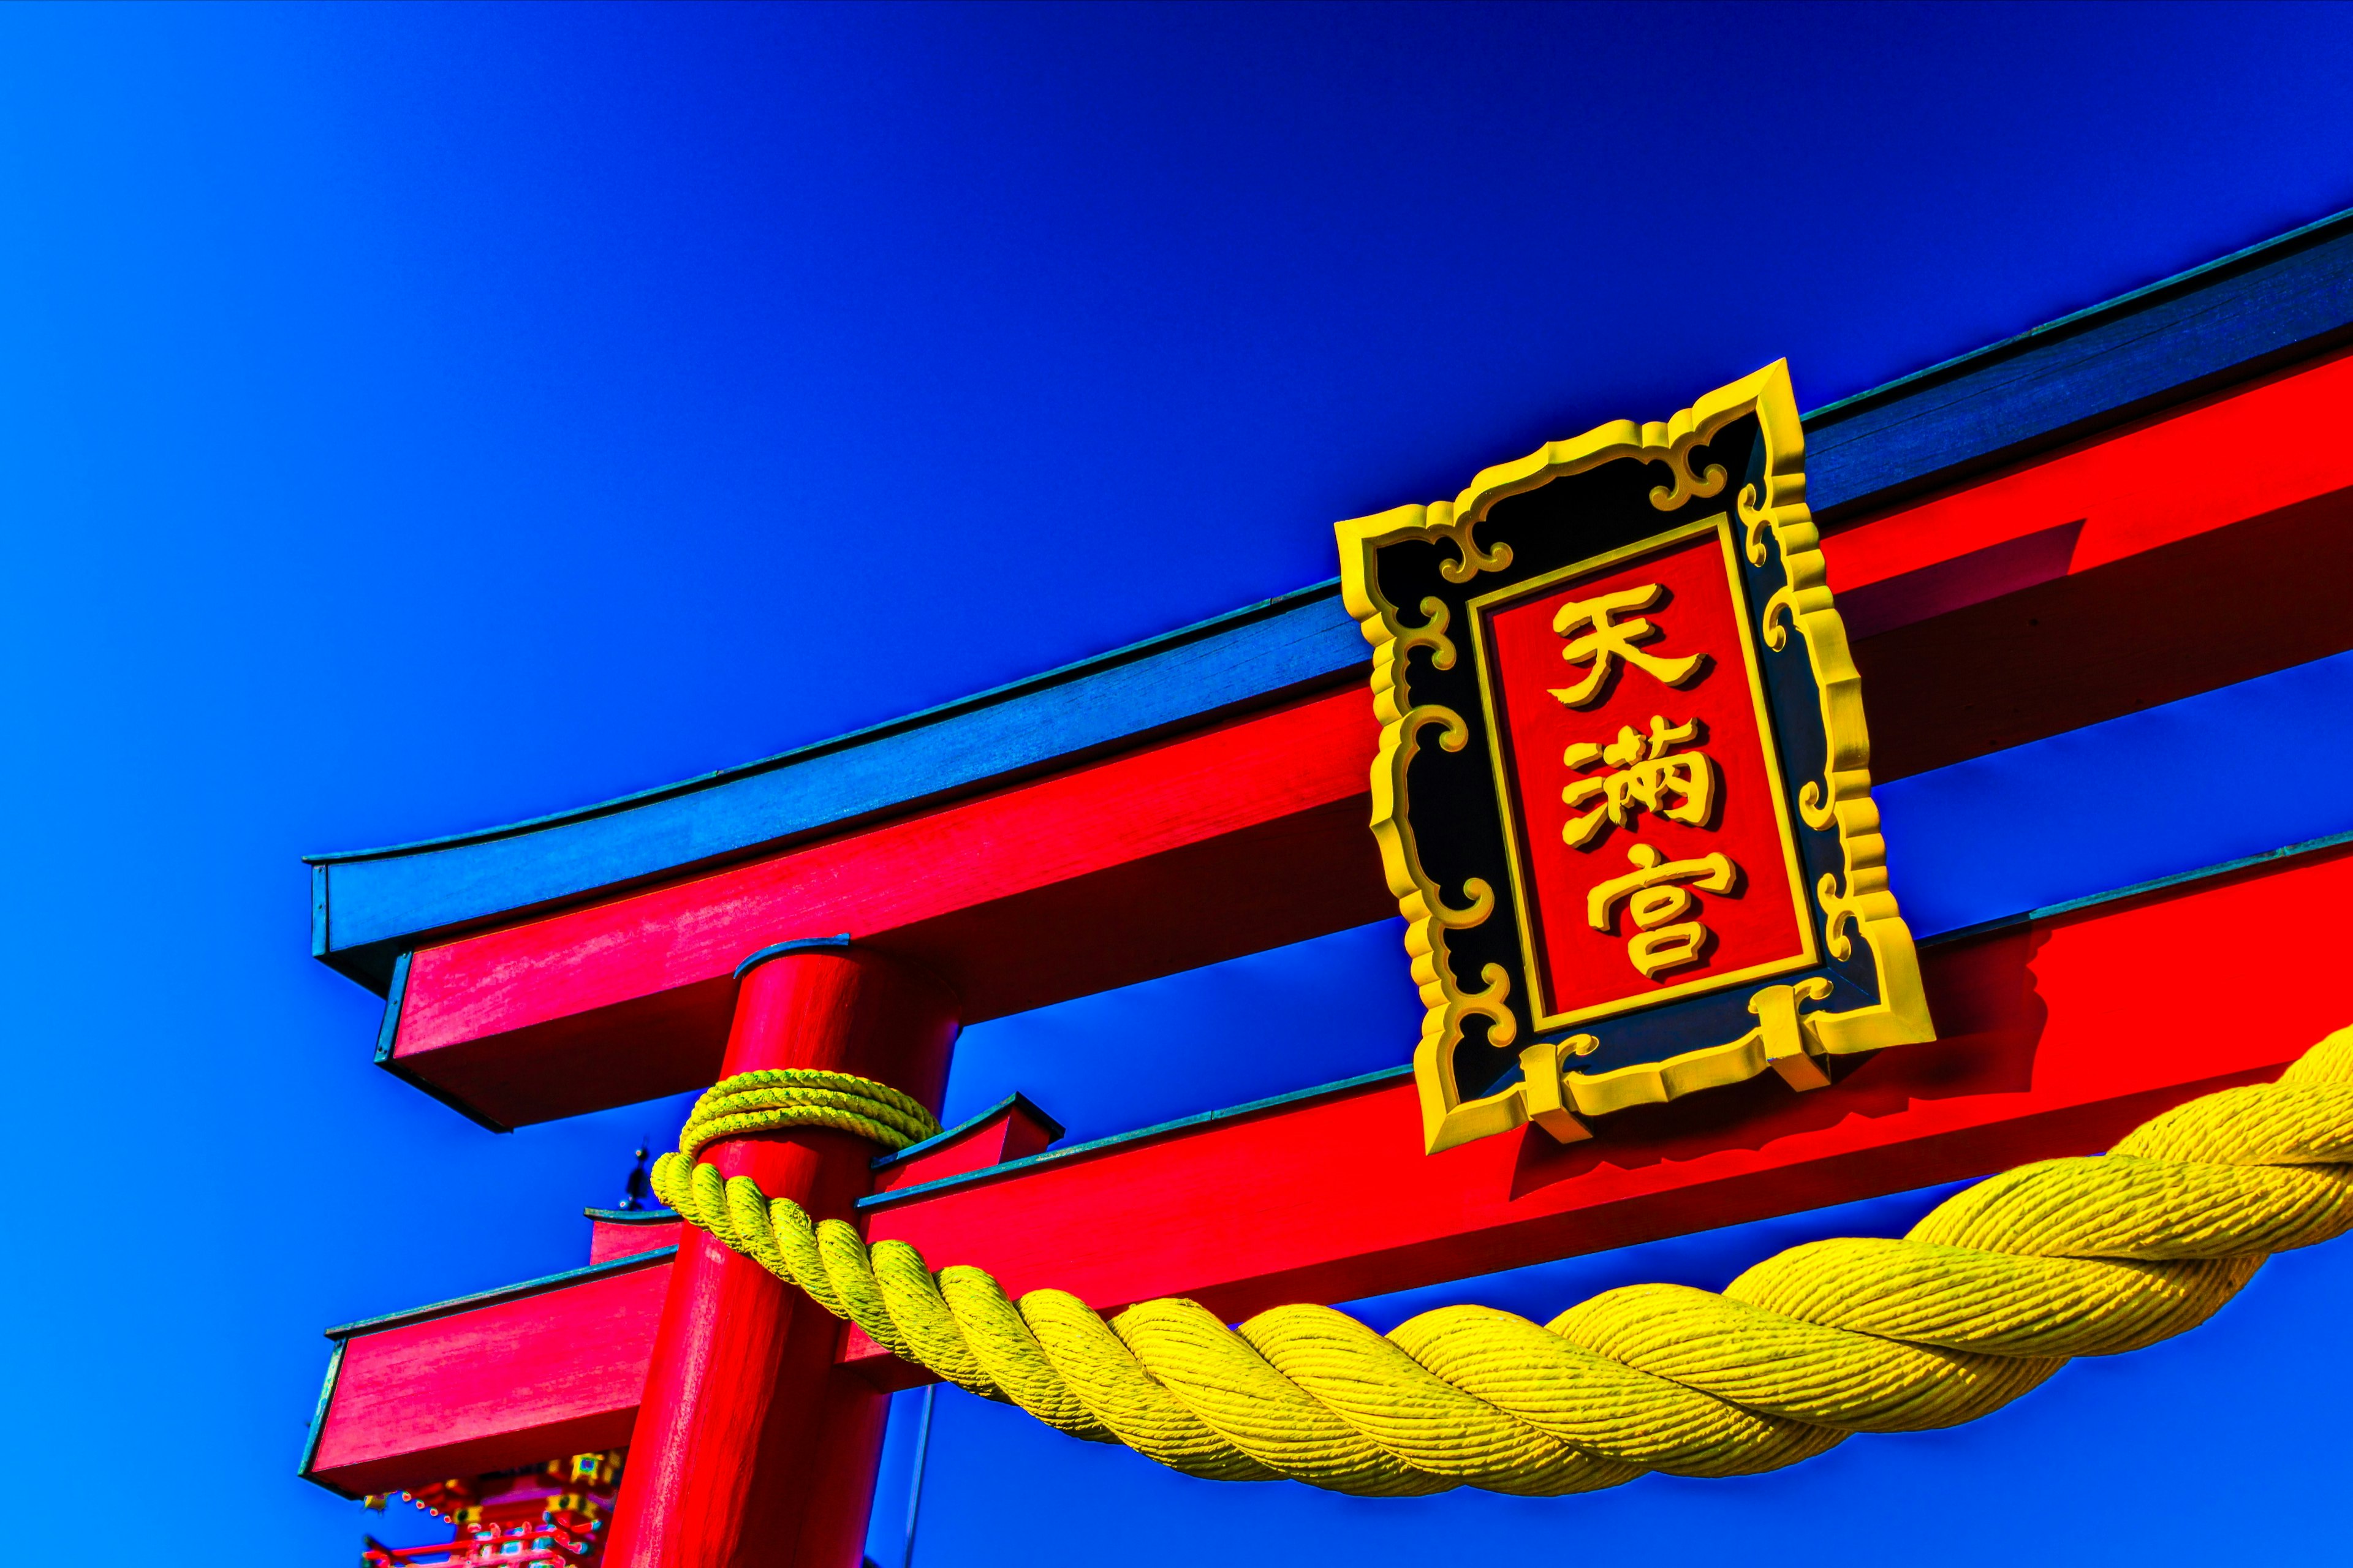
(1843, 796)
(1857, 904)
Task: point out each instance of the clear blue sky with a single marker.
(417, 418)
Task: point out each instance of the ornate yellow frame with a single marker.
(1857, 903)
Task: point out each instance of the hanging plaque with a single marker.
(1623, 791)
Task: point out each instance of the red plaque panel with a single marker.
(1650, 845)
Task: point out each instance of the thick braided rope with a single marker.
(804, 1097)
(1986, 1297)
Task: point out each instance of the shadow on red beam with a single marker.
(2058, 1036)
(2192, 550)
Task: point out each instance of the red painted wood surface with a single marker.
(609, 1239)
(511, 1384)
(987, 894)
(753, 1450)
(2187, 552)
(2237, 454)
(2058, 1036)
(1010, 1132)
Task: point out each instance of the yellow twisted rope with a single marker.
(804, 1097)
(1986, 1297)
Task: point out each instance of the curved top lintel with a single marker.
(2288, 298)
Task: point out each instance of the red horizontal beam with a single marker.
(2058, 1035)
(512, 1383)
(2065, 591)
(1076, 883)
(2192, 550)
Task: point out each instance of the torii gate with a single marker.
(2143, 502)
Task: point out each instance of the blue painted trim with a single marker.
(1015, 1101)
(516, 1292)
(379, 900)
(632, 1217)
(801, 944)
(1962, 933)
(2286, 299)
(319, 1424)
(884, 1200)
(387, 1033)
(318, 911)
(2138, 889)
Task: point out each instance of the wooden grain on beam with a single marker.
(1189, 852)
(512, 1377)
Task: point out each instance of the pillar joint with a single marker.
(753, 1448)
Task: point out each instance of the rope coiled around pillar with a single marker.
(1986, 1297)
(778, 1098)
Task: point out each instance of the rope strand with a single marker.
(1988, 1296)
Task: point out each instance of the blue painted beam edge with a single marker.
(632, 1217)
(1014, 1102)
(370, 904)
(2282, 300)
(318, 1422)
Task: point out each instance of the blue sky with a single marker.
(417, 418)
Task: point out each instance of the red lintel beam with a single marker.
(1073, 884)
(2059, 1034)
(2184, 553)
(2165, 559)
(536, 1371)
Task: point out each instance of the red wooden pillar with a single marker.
(752, 1448)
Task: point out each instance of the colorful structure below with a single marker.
(558, 1512)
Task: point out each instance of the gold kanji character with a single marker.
(1681, 787)
(1655, 896)
(1611, 640)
